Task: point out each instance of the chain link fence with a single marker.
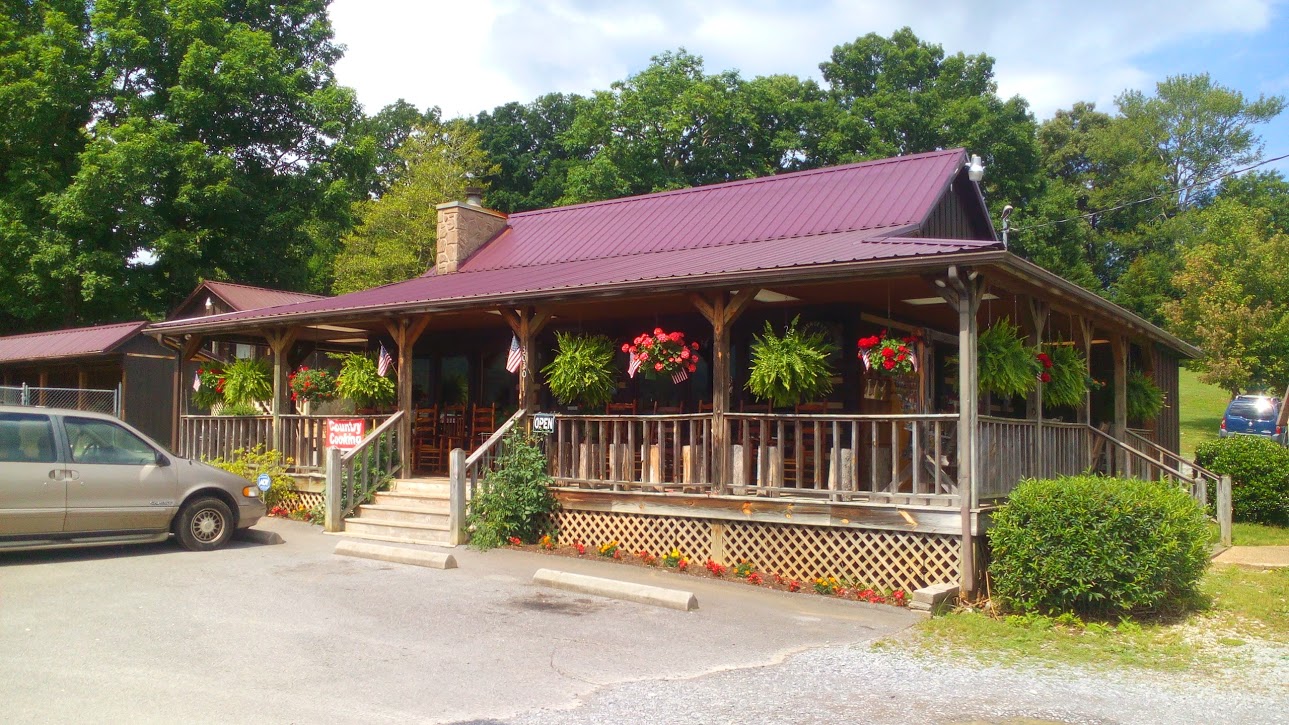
(98, 401)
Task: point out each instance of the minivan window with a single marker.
(26, 438)
(100, 441)
(1250, 410)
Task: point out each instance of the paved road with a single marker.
(293, 633)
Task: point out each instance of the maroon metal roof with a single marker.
(75, 342)
(847, 213)
(245, 297)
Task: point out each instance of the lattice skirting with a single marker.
(873, 557)
(308, 498)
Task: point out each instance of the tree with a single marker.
(525, 142)
(1232, 301)
(900, 95)
(395, 239)
(205, 136)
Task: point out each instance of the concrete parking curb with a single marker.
(396, 554)
(259, 536)
(614, 589)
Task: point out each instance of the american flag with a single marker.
(515, 358)
(383, 361)
(633, 366)
(196, 382)
(679, 376)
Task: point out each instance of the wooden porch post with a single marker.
(527, 324)
(185, 349)
(280, 342)
(1037, 311)
(722, 314)
(1119, 349)
(962, 291)
(406, 331)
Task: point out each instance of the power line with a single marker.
(1125, 205)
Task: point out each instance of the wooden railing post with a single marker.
(722, 314)
(1119, 429)
(1224, 512)
(456, 508)
(280, 342)
(962, 291)
(333, 493)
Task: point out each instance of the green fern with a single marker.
(583, 370)
(1007, 367)
(248, 381)
(1069, 371)
(793, 368)
(1145, 399)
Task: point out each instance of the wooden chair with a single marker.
(799, 453)
(668, 409)
(704, 406)
(453, 427)
(483, 421)
(620, 408)
(427, 446)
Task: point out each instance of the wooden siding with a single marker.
(1168, 426)
(148, 384)
(949, 220)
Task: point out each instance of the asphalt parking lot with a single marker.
(293, 633)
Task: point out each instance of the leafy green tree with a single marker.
(1232, 301)
(525, 142)
(395, 239)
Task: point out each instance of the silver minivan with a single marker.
(72, 478)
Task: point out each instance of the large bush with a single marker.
(1259, 470)
(1097, 546)
(249, 463)
(515, 499)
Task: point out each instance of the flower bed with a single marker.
(741, 571)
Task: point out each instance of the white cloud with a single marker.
(469, 57)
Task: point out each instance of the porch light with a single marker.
(975, 169)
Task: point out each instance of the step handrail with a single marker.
(354, 475)
(463, 475)
(1202, 471)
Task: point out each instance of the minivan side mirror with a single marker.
(162, 459)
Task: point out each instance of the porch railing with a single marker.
(466, 472)
(206, 437)
(1012, 450)
(904, 459)
(640, 452)
(353, 476)
(304, 437)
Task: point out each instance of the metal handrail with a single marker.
(497, 435)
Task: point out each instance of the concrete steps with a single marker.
(413, 511)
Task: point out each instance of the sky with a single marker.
(473, 55)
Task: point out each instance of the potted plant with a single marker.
(792, 368)
(360, 381)
(1064, 375)
(889, 358)
(582, 370)
(247, 383)
(208, 390)
(310, 385)
(1007, 367)
(662, 354)
(1145, 399)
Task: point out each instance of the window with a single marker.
(100, 441)
(1259, 410)
(26, 438)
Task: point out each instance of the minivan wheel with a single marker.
(204, 524)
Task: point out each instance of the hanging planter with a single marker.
(1145, 399)
(1006, 366)
(1064, 375)
(893, 357)
(662, 354)
(877, 388)
(248, 383)
(208, 391)
(793, 368)
(309, 386)
(582, 370)
(360, 380)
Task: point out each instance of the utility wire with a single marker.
(1201, 182)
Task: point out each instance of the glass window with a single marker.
(26, 438)
(100, 441)
(1259, 410)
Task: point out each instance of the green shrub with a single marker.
(1259, 471)
(1097, 547)
(249, 463)
(515, 499)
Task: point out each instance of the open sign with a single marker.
(345, 434)
(543, 423)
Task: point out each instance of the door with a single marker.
(33, 496)
(114, 480)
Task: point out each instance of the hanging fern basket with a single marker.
(791, 368)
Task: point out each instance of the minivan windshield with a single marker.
(1252, 410)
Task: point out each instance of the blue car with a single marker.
(1253, 415)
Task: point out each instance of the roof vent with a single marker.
(474, 196)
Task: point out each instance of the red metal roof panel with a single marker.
(75, 342)
(245, 297)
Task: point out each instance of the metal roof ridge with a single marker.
(264, 289)
(646, 252)
(85, 328)
(741, 182)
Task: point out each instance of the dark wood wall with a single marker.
(148, 384)
(1168, 426)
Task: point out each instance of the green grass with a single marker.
(1236, 605)
(1200, 407)
(1248, 534)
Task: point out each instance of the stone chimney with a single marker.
(463, 228)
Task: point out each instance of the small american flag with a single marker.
(679, 376)
(196, 382)
(515, 358)
(383, 361)
(633, 366)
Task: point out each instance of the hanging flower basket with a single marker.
(893, 357)
(662, 354)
